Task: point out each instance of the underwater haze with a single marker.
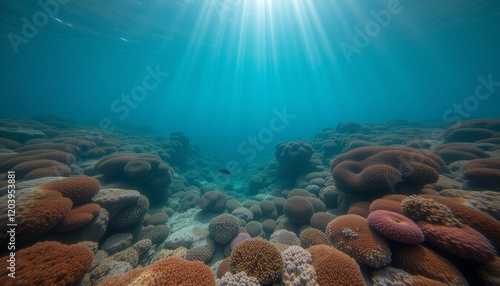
(224, 68)
(250, 142)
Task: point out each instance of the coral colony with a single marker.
(359, 204)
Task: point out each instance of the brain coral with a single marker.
(292, 157)
(418, 260)
(171, 271)
(335, 268)
(131, 214)
(35, 168)
(224, 228)
(157, 234)
(147, 171)
(259, 259)
(483, 171)
(78, 189)
(238, 239)
(213, 201)
(298, 267)
(321, 219)
(353, 235)
(382, 168)
(254, 228)
(189, 201)
(472, 130)
(268, 208)
(284, 236)
(384, 204)
(298, 209)
(454, 152)
(268, 226)
(461, 241)
(157, 219)
(312, 236)
(395, 226)
(360, 208)
(12, 160)
(137, 168)
(201, 253)
(78, 217)
(224, 268)
(48, 263)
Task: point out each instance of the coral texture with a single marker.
(335, 268)
(353, 235)
(259, 259)
(381, 168)
(395, 226)
(48, 263)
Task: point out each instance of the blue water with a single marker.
(225, 71)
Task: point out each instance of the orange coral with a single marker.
(483, 223)
(79, 189)
(321, 219)
(360, 208)
(334, 268)
(418, 260)
(78, 217)
(224, 267)
(257, 258)
(312, 236)
(353, 235)
(171, 271)
(38, 211)
(49, 263)
(490, 272)
(461, 241)
(387, 205)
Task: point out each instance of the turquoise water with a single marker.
(225, 68)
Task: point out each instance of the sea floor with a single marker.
(396, 203)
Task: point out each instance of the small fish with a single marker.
(225, 172)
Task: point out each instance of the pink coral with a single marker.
(395, 226)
